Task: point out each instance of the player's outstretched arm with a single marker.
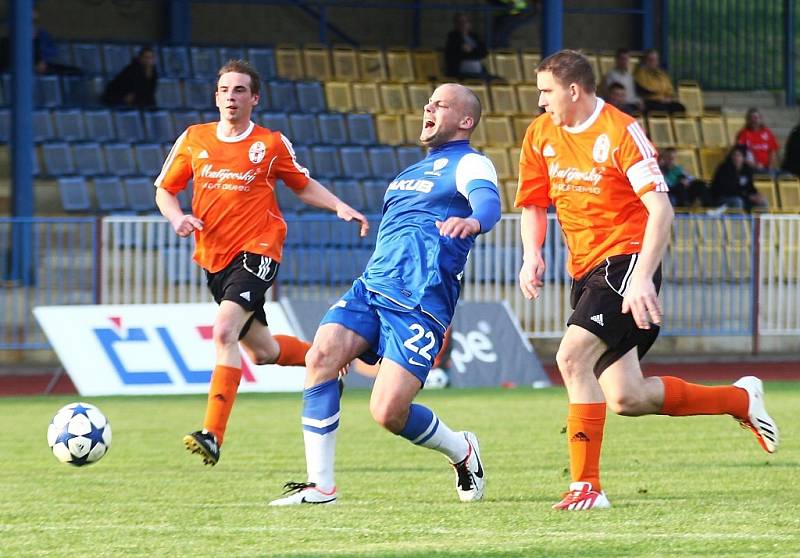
(533, 231)
(485, 204)
(182, 224)
(317, 195)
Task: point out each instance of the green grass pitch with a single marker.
(695, 487)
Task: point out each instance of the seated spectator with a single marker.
(135, 85)
(655, 86)
(732, 185)
(464, 51)
(791, 154)
(45, 52)
(760, 142)
(615, 95)
(684, 189)
(620, 74)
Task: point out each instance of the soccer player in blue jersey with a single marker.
(399, 308)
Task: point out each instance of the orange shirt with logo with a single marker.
(234, 189)
(594, 174)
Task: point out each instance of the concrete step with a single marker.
(743, 99)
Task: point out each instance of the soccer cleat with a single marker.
(470, 479)
(297, 493)
(204, 443)
(758, 420)
(582, 497)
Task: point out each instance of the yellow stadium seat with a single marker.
(400, 65)
(499, 157)
(513, 157)
(710, 159)
(345, 63)
(412, 124)
(510, 187)
(691, 96)
(366, 97)
(607, 62)
(371, 64)
(427, 64)
(660, 130)
(734, 124)
(479, 138)
(419, 94)
(687, 158)
(393, 96)
(686, 132)
(530, 61)
(339, 96)
(482, 92)
(592, 58)
(391, 129)
(714, 132)
(765, 185)
(289, 62)
(789, 192)
(504, 99)
(507, 65)
(520, 124)
(499, 132)
(528, 97)
(317, 61)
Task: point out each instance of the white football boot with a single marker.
(297, 493)
(470, 479)
(762, 425)
(581, 496)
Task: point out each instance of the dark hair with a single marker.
(570, 66)
(751, 111)
(615, 85)
(242, 67)
(621, 51)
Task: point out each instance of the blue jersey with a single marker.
(413, 266)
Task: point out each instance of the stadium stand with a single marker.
(74, 194)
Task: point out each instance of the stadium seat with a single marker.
(198, 93)
(374, 191)
(409, 155)
(686, 132)
(383, 162)
(687, 158)
(507, 65)
(89, 159)
(325, 161)
(520, 125)
(393, 98)
(660, 128)
(530, 61)
(109, 193)
(350, 192)
(691, 97)
(47, 91)
(514, 153)
(332, 128)
(528, 96)
(354, 162)
(64, 53)
(205, 62)
(361, 128)
(418, 95)
(75, 91)
(317, 62)
(288, 202)
(57, 157)
(400, 65)
(789, 192)
(765, 185)
(302, 155)
(263, 59)
(339, 96)
(371, 64)
(86, 56)
(115, 57)
(499, 132)
(141, 193)
(504, 99)
(478, 138)
(482, 92)
(5, 125)
(366, 97)
(74, 194)
(119, 159)
(209, 116)
(710, 159)
(412, 123)
(93, 89)
(42, 126)
(175, 62)
(713, 131)
(128, 124)
(158, 126)
(185, 196)
(390, 129)
(149, 158)
(278, 122)
(606, 63)
(183, 119)
(310, 96)
(169, 93)
(734, 124)
(69, 124)
(345, 63)
(282, 95)
(289, 62)
(499, 157)
(427, 64)
(303, 128)
(226, 53)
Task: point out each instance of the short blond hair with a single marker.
(242, 67)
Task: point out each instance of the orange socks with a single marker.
(683, 399)
(221, 395)
(293, 351)
(585, 422)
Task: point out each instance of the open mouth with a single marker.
(428, 124)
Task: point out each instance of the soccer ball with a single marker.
(438, 378)
(79, 434)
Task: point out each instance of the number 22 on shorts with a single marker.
(423, 351)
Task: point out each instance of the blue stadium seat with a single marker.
(263, 59)
(94, 87)
(86, 56)
(128, 124)
(64, 53)
(282, 95)
(205, 62)
(227, 53)
(175, 62)
(47, 91)
(5, 89)
(311, 96)
(57, 157)
(351, 193)
(199, 93)
(74, 91)
(149, 158)
(288, 202)
(42, 126)
(74, 193)
(209, 115)
(169, 93)
(315, 230)
(115, 57)
(303, 128)
(354, 162)
(182, 120)
(362, 129)
(277, 122)
(89, 159)
(326, 161)
(312, 266)
(119, 157)
(383, 162)
(408, 155)
(99, 126)
(302, 155)
(374, 190)
(109, 193)
(69, 124)
(332, 129)
(5, 125)
(141, 193)
(158, 126)
(185, 196)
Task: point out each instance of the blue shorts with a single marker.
(410, 338)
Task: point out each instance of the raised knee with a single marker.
(568, 362)
(386, 416)
(262, 356)
(315, 358)
(225, 334)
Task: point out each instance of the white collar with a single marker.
(583, 126)
(233, 139)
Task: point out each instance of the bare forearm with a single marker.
(533, 227)
(656, 237)
(317, 195)
(168, 205)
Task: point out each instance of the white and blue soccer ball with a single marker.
(438, 378)
(79, 434)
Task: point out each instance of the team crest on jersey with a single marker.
(257, 152)
(601, 148)
(438, 165)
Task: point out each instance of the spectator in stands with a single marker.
(135, 85)
(655, 86)
(45, 52)
(684, 189)
(514, 14)
(760, 142)
(464, 51)
(620, 74)
(791, 153)
(615, 95)
(732, 185)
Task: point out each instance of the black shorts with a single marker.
(245, 281)
(596, 300)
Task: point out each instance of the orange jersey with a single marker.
(234, 189)
(595, 175)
